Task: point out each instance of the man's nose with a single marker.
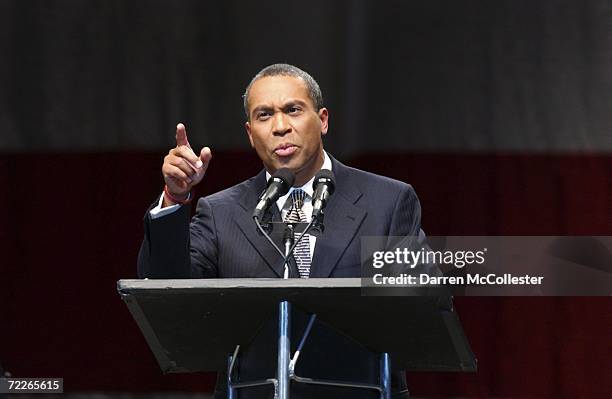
(280, 124)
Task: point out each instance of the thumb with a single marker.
(181, 135)
(205, 157)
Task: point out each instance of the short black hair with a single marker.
(314, 91)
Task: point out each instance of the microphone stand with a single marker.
(289, 245)
(288, 238)
(285, 364)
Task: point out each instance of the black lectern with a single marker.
(205, 325)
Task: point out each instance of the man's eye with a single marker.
(263, 115)
(294, 110)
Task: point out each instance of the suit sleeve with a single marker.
(406, 218)
(174, 247)
(406, 223)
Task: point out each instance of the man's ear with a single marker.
(247, 126)
(324, 117)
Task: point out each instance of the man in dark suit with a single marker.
(285, 124)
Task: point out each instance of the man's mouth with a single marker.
(285, 150)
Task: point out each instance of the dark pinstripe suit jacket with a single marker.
(221, 239)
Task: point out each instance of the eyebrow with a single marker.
(289, 103)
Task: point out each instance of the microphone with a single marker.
(323, 185)
(278, 185)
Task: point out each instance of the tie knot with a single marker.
(297, 196)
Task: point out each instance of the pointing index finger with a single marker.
(181, 136)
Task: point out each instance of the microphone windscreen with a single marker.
(286, 175)
(325, 176)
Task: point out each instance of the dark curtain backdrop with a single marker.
(397, 75)
(498, 113)
(75, 231)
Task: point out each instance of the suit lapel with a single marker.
(342, 220)
(244, 220)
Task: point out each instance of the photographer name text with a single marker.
(468, 279)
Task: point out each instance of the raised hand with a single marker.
(182, 168)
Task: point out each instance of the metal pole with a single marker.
(284, 350)
(293, 361)
(288, 239)
(385, 376)
(231, 391)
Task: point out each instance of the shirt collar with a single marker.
(327, 164)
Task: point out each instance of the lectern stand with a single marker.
(209, 325)
(286, 364)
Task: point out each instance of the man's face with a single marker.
(285, 128)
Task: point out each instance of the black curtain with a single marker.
(397, 75)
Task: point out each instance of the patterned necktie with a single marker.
(302, 250)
